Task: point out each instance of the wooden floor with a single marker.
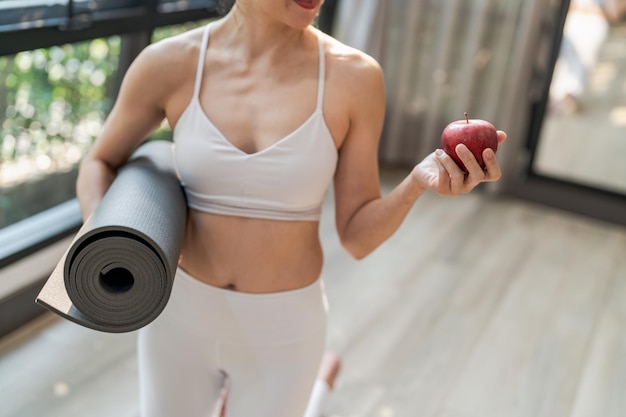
(477, 307)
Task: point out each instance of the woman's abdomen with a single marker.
(251, 255)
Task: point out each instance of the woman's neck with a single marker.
(254, 35)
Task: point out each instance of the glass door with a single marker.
(582, 139)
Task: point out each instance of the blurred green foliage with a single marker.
(168, 31)
(61, 95)
(53, 104)
(56, 96)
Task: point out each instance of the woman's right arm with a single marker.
(138, 111)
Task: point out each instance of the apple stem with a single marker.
(466, 118)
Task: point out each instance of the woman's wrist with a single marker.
(414, 187)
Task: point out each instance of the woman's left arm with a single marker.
(364, 219)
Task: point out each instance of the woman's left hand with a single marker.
(438, 171)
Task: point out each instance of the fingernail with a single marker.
(489, 154)
(439, 152)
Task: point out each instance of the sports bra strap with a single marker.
(322, 73)
(201, 56)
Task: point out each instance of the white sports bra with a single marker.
(286, 181)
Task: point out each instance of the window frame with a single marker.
(78, 25)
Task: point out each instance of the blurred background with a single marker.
(505, 302)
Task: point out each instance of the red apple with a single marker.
(476, 134)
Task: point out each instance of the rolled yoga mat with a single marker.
(118, 273)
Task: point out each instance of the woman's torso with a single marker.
(254, 107)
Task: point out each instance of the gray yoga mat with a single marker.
(118, 273)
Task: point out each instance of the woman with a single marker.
(266, 112)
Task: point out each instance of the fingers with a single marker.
(475, 173)
(455, 174)
(454, 181)
(501, 136)
(492, 169)
(461, 182)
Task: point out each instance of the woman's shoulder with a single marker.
(353, 73)
(174, 50)
(167, 63)
(163, 68)
(350, 65)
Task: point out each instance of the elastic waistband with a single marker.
(188, 279)
(233, 316)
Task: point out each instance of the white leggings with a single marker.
(268, 345)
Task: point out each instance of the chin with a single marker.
(301, 25)
(302, 17)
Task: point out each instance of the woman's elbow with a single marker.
(355, 249)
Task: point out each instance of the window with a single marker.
(53, 103)
(61, 63)
(63, 14)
